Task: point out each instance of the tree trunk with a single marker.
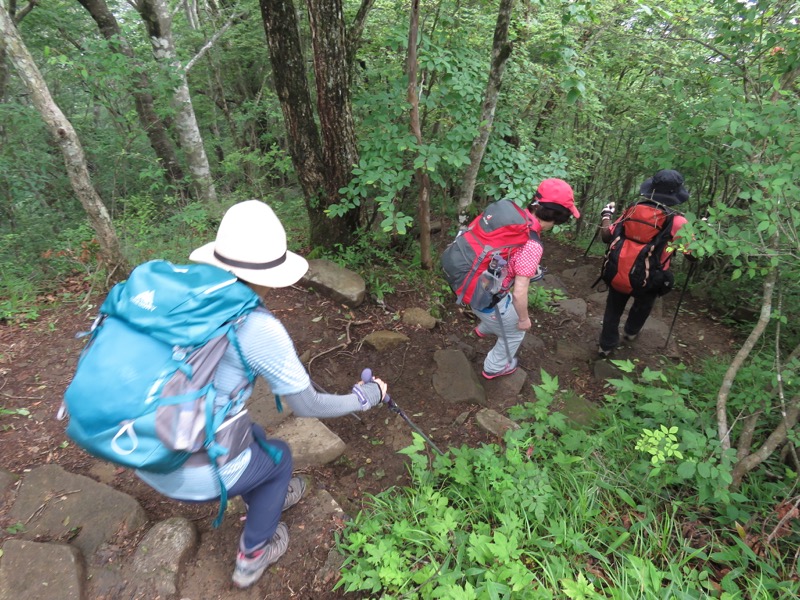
(68, 142)
(3, 73)
(140, 83)
(332, 76)
(157, 19)
(323, 164)
(501, 50)
(423, 181)
(723, 428)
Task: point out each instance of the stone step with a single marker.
(86, 518)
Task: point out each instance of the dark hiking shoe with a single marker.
(508, 370)
(629, 337)
(604, 353)
(250, 567)
(297, 487)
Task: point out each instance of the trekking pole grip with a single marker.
(366, 377)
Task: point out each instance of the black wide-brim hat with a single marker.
(666, 187)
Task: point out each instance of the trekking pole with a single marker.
(594, 237)
(366, 376)
(680, 299)
(503, 337)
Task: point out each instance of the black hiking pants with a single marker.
(615, 306)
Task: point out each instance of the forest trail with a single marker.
(38, 360)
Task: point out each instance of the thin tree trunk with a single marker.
(155, 14)
(143, 100)
(501, 50)
(68, 142)
(423, 181)
(741, 356)
(16, 18)
(3, 73)
(356, 30)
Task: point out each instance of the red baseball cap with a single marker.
(557, 191)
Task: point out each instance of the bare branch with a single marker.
(775, 439)
(213, 40)
(25, 11)
(356, 29)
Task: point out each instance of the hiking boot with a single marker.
(250, 567)
(479, 333)
(629, 337)
(297, 487)
(508, 370)
(604, 353)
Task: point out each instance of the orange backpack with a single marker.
(632, 264)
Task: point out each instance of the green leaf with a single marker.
(686, 470)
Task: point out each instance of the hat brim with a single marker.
(287, 273)
(573, 210)
(647, 189)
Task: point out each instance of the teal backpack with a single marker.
(143, 393)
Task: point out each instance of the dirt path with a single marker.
(37, 361)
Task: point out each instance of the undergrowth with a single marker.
(556, 511)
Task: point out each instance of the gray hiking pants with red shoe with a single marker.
(498, 357)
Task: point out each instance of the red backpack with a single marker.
(632, 264)
(502, 227)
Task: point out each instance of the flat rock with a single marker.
(59, 505)
(551, 282)
(597, 298)
(506, 388)
(163, 552)
(604, 369)
(575, 308)
(533, 343)
(581, 278)
(495, 423)
(569, 352)
(419, 317)
(386, 340)
(7, 479)
(311, 442)
(578, 409)
(335, 282)
(35, 571)
(455, 380)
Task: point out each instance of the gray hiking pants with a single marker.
(498, 357)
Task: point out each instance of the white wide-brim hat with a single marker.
(251, 244)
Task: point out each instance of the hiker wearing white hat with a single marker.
(251, 244)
